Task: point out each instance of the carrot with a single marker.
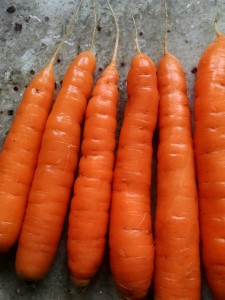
(177, 259)
(130, 236)
(209, 112)
(89, 212)
(20, 151)
(54, 174)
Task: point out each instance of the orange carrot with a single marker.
(177, 259)
(89, 213)
(54, 175)
(19, 154)
(130, 239)
(210, 148)
(20, 151)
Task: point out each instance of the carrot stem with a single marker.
(136, 36)
(93, 34)
(117, 35)
(218, 33)
(66, 34)
(165, 30)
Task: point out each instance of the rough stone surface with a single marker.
(29, 33)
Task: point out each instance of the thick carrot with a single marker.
(54, 175)
(89, 212)
(20, 151)
(177, 259)
(209, 111)
(19, 154)
(130, 236)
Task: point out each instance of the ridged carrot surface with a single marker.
(54, 175)
(209, 142)
(130, 237)
(19, 154)
(89, 214)
(92, 191)
(177, 259)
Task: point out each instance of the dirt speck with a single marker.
(140, 33)
(168, 30)
(10, 112)
(32, 72)
(16, 88)
(46, 18)
(18, 27)
(100, 69)
(58, 61)
(194, 70)
(11, 9)
(99, 28)
(122, 64)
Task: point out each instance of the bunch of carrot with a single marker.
(40, 156)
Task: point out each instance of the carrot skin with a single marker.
(209, 111)
(177, 259)
(19, 154)
(54, 175)
(130, 236)
(89, 214)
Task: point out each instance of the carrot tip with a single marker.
(80, 283)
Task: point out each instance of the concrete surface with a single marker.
(29, 32)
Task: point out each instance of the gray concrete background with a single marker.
(28, 38)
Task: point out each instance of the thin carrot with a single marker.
(209, 111)
(89, 212)
(177, 258)
(20, 151)
(54, 175)
(130, 236)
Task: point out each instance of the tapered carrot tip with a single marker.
(80, 283)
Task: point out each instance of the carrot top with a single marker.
(165, 30)
(136, 36)
(117, 35)
(94, 30)
(218, 33)
(66, 34)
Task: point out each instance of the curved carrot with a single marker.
(130, 236)
(209, 111)
(54, 175)
(89, 212)
(177, 259)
